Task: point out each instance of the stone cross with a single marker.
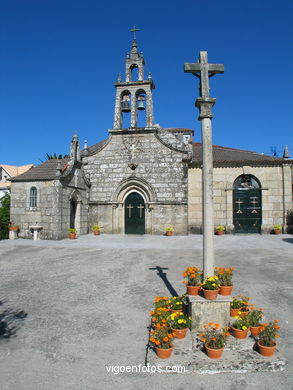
(140, 207)
(203, 70)
(129, 210)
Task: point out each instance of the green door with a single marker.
(247, 211)
(134, 214)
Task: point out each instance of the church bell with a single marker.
(140, 103)
(125, 107)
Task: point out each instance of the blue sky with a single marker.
(59, 60)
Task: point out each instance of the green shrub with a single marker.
(4, 216)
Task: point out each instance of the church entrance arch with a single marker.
(75, 211)
(73, 207)
(134, 214)
(247, 207)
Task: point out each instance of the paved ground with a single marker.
(78, 306)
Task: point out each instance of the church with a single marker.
(144, 178)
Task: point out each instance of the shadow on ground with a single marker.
(290, 240)
(10, 322)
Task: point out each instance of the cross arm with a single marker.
(191, 67)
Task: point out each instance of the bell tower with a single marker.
(134, 95)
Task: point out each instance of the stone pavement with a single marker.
(74, 307)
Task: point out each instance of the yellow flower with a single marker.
(244, 327)
(210, 279)
(213, 284)
(180, 321)
(216, 278)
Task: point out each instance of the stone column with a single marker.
(205, 115)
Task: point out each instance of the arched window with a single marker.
(33, 197)
(246, 182)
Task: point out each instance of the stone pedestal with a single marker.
(204, 311)
(13, 234)
(36, 231)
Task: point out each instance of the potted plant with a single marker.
(220, 230)
(161, 302)
(277, 229)
(240, 328)
(72, 233)
(267, 338)
(96, 230)
(175, 304)
(179, 324)
(160, 317)
(13, 227)
(169, 231)
(254, 318)
(194, 279)
(225, 278)
(239, 305)
(210, 287)
(214, 339)
(162, 341)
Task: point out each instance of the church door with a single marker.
(134, 214)
(72, 213)
(247, 210)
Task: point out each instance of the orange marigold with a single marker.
(183, 281)
(217, 326)
(210, 323)
(165, 339)
(276, 321)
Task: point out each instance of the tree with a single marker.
(55, 157)
(4, 216)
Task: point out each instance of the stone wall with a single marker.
(141, 161)
(53, 206)
(276, 183)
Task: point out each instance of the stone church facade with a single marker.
(143, 178)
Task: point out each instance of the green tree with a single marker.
(4, 216)
(55, 156)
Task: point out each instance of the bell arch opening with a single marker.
(125, 109)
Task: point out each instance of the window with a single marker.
(33, 197)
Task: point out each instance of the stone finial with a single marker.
(74, 149)
(85, 144)
(58, 169)
(150, 76)
(119, 78)
(286, 153)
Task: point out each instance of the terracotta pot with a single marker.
(225, 290)
(192, 290)
(266, 351)
(254, 330)
(214, 353)
(179, 333)
(211, 295)
(219, 233)
(97, 232)
(234, 312)
(176, 311)
(163, 353)
(169, 233)
(243, 314)
(277, 231)
(13, 227)
(72, 236)
(239, 334)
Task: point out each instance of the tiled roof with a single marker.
(229, 156)
(5, 184)
(44, 171)
(14, 171)
(96, 147)
(179, 130)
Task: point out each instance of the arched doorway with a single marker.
(134, 214)
(73, 207)
(247, 208)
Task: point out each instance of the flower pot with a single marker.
(214, 353)
(163, 353)
(97, 232)
(176, 310)
(72, 236)
(192, 290)
(254, 330)
(13, 227)
(169, 233)
(225, 290)
(210, 294)
(179, 333)
(239, 333)
(277, 231)
(243, 314)
(219, 233)
(266, 351)
(234, 312)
